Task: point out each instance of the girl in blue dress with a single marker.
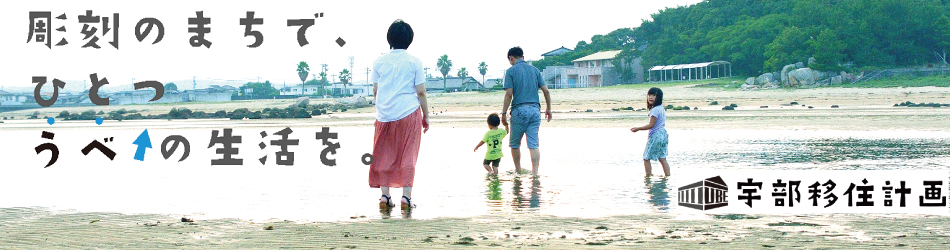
(658, 139)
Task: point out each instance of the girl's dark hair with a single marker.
(659, 97)
(493, 120)
(399, 35)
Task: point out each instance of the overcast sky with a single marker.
(469, 32)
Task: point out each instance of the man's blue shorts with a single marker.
(525, 120)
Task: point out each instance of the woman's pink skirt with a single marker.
(395, 150)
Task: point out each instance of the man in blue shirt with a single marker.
(522, 82)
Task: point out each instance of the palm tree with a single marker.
(323, 82)
(483, 68)
(344, 79)
(462, 75)
(302, 71)
(444, 65)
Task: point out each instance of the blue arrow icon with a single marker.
(142, 142)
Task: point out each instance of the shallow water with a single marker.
(584, 173)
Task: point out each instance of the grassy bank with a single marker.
(723, 83)
(903, 81)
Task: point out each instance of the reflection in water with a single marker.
(535, 194)
(387, 213)
(610, 183)
(659, 193)
(769, 152)
(407, 213)
(516, 190)
(494, 188)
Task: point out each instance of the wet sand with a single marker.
(32, 228)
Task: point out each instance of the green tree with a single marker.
(462, 74)
(790, 46)
(763, 36)
(315, 82)
(345, 79)
(828, 50)
(444, 65)
(615, 40)
(743, 44)
(258, 90)
(623, 63)
(498, 85)
(303, 70)
(482, 69)
(171, 87)
(323, 82)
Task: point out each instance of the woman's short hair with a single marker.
(399, 35)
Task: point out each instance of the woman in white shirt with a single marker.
(401, 116)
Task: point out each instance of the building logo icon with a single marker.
(704, 195)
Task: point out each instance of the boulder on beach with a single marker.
(802, 77)
(356, 101)
(785, 70)
(302, 101)
(764, 79)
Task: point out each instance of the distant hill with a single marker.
(762, 36)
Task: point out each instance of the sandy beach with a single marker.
(859, 110)
(32, 228)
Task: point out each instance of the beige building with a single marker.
(594, 70)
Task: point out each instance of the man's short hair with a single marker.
(516, 52)
(399, 35)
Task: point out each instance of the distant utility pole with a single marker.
(351, 65)
(258, 79)
(427, 72)
(332, 77)
(324, 73)
(367, 76)
(315, 78)
(194, 83)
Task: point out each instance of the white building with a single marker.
(299, 89)
(11, 99)
(215, 93)
(351, 89)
